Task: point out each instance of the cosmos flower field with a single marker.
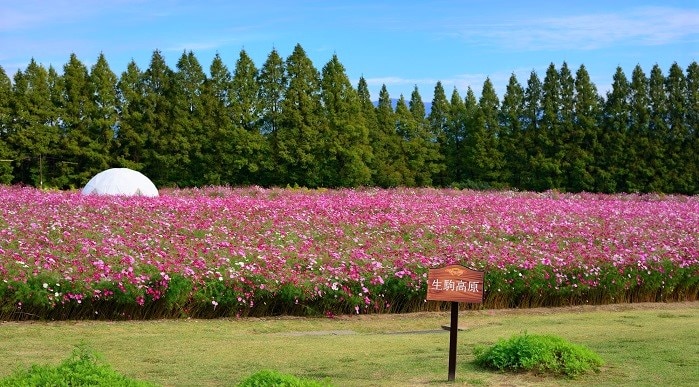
(222, 251)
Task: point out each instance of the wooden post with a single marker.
(456, 284)
(452, 340)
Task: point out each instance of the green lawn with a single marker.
(641, 344)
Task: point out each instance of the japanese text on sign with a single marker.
(455, 283)
(458, 286)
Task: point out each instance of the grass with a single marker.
(641, 344)
(82, 368)
(541, 354)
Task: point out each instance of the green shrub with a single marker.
(543, 354)
(269, 378)
(81, 369)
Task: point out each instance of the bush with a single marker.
(81, 369)
(540, 354)
(269, 378)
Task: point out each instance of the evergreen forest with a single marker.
(288, 124)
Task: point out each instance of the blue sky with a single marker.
(402, 44)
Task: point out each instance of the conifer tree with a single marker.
(493, 162)
(79, 157)
(290, 124)
(34, 133)
(385, 144)
(475, 156)
(249, 145)
(166, 148)
(580, 145)
(546, 164)
(610, 164)
(54, 162)
(6, 154)
(566, 99)
(219, 152)
(423, 156)
(417, 106)
(659, 130)
(455, 138)
(347, 151)
(245, 88)
(104, 116)
(367, 106)
(131, 140)
(5, 96)
(642, 155)
(438, 121)
(186, 134)
(678, 135)
(511, 133)
(406, 129)
(691, 150)
(273, 83)
(368, 114)
(532, 127)
(298, 141)
(567, 145)
(692, 98)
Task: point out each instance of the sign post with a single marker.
(454, 283)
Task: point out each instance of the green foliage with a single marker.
(491, 159)
(166, 144)
(401, 295)
(247, 150)
(178, 291)
(285, 124)
(438, 120)
(546, 163)
(218, 154)
(385, 142)
(273, 82)
(186, 133)
(511, 114)
(46, 297)
(346, 141)
(541, 354)
(268, 378)
(33, 134)
(424, 159)
(453, 140)
(82, 368)
(298, 142)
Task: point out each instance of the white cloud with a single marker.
(639, 26)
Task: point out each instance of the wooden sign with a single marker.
(455, 283)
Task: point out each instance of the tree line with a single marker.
(287, 123)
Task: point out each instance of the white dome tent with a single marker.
(120, 181)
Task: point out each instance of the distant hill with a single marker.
(394, 103)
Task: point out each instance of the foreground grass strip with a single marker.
(274, 378)
(641, 344)
(82, 368)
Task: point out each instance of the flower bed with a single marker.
(251, 251)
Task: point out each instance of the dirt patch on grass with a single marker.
(660, 306)
(321, 333)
